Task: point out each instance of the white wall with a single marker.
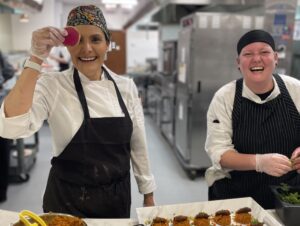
(140, 46)
(5, 34)
(21, 32)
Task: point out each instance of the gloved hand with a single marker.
(296, 159)
(273, 164)
(44, 39)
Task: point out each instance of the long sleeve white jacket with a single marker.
(55, 100)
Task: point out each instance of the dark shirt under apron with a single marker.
(91, 177)
(271, 127)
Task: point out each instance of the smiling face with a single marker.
(88, 56)
(257, 62)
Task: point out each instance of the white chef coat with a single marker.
(219, 135)
(55, 100)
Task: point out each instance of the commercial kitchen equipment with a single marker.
(206, 61)
(168, 90)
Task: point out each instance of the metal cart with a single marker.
(22, 154)
(22, 158)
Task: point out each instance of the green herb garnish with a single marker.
(254, 221)
(287, 196)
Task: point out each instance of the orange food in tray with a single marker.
(201, 219)
(222, 217)
(181, 221)
(159, 221)
(66, 221)
(55, 219)
(243, 216)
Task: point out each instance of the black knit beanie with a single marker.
(255, 36)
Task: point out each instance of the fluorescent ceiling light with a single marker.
(39, 1)
(24, 18)
(127, 6)
(122, 2)
(110, 6)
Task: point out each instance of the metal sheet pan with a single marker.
(147, 214)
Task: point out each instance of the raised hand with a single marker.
(44, 39)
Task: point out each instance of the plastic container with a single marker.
(288, 213)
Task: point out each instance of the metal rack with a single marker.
(20, 161)
(22, 158)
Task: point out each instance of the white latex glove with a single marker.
(273, 164)
(44, 39)
(296, 159)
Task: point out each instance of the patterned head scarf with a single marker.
(88, 15)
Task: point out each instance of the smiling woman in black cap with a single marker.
(95, 117)
(254, 126)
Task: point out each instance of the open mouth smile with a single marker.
(254, 69)
(87, 59)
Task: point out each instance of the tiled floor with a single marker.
(173, 184)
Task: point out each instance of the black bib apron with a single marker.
(91, 177)
(272, 127)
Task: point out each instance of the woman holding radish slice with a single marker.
(95, 117)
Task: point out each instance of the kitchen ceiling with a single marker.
(117, 9)
(16, 6)
(130, 15)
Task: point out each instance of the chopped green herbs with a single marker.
(288, 196)
(256, 222)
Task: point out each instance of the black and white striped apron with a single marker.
(272, 127)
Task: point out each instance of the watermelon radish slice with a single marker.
(73, 36)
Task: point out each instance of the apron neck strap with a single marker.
(120, 99)
(82, 99)
(80, 94)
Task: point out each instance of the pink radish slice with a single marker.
(72, 38)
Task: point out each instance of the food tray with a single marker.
(147, 214)
(47, 217)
